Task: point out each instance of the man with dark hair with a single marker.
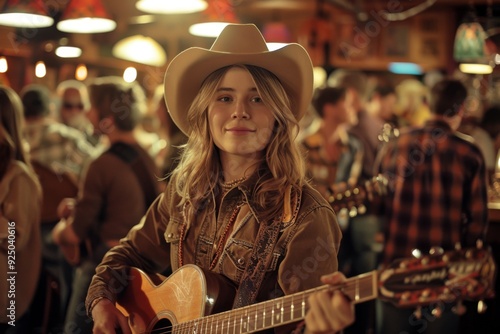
(437, 198)
(119, 186)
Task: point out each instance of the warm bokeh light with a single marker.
(68, 52)
(130, 74)
(207, 29)
(40, 69)
(475, 68)
(4, 66)
(81, 72)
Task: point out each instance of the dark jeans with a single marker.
(360, 254)
(77, 321)
(53, 262)
(393, 320)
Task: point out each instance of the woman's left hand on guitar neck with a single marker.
(330, 311)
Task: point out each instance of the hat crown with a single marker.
(240, 38)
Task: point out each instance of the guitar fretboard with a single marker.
(276, 312)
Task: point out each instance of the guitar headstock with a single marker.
(353, 199)
(439, 277)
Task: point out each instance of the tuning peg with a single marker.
(436, 251)
(353, 212)
(481, 307)
(347, 193)
(459, 309)
(469, 254)
(416, 253)
(342, 214)
(458, 246)
(418, 312)
(403, 264)
(437, 311)
(362, 209)
(479, 244)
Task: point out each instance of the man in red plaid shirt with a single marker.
(437, 197)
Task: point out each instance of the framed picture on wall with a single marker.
(396, 40)
(352, 42)
(429, 47)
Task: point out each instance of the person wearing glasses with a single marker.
(74, 106)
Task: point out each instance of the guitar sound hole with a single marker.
(163, 326)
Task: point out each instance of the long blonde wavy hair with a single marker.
(12, 144)
(199, 171)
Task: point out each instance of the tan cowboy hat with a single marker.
(237, 44)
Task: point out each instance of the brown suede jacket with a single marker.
(306, 248)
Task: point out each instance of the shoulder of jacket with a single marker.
(18, 169)
(298, 204)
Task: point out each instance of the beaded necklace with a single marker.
(231, 184)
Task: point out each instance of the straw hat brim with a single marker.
(186, 72)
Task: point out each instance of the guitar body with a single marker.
(192, 300)
(156, 302)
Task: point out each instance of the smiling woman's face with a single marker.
(240, 123)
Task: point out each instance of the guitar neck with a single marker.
(279, 311)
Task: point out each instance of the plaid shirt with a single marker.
(59, 147)
(437, 191)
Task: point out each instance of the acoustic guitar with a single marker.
(192, 300)
(352, 200)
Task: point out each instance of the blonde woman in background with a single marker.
(20, 203)
(412, 107)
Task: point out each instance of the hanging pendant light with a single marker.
(86, 17)
(151, 53)
(470, 42)
(171, 6)
(25, 14)
(218, 15)
(470, 49)
(66, 51)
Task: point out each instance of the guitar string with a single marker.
(227, 318)
(230, 322)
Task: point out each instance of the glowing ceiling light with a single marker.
(171, 6)
(40, 69)
(3, 65)
(151, 52)
(68, 52)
